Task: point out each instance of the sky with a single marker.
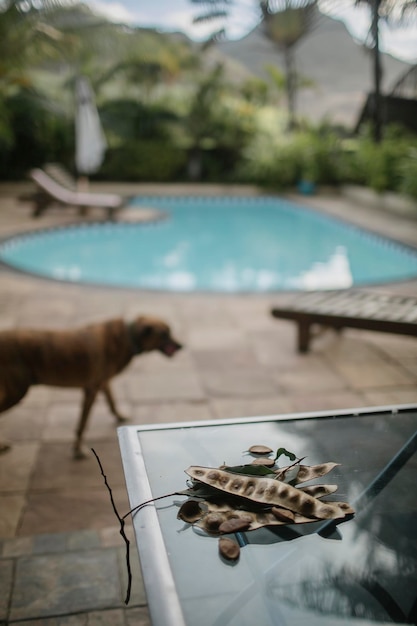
(178, 15)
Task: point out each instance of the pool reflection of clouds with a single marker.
(249, 245)
(177, 281)
(231, 278)
(71, 273)
(332, 274)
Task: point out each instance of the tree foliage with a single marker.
(285, 23)
(25, 38)
(395, 12)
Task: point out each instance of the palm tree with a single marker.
(284, 22)
(394, 11)
(25, 37)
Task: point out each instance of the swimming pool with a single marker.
(220, 244)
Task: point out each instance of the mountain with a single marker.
(340, 69)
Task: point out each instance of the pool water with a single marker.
(222, 244)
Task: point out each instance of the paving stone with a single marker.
(277, 348)
(172, 412)
(11, 509)
(69, 510)
(173, 386)
(204, 337)
(17, 547)
(138, 616)
(61, 584)
(64, 620)
(49, 543)
(23, 423)
(328, 400)
(310, 375)
(373, 374)
(390, 395)
(115, 617)
(16, 470)
(62, 418)
(250, 406)
(62, 542)
(110, 537)
(137, 596)
(6, 581)
(83, 540)
(57, 469)
(224, 359)
(244, 381)
(396, 346)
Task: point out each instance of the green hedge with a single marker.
(144, 161)
(326, 157)
(150, 148)
(315, 156)
(31, 135)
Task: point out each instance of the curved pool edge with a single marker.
(156, 215)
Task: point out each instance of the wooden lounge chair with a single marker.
(50, 192)
(351, 309)
(61, 175)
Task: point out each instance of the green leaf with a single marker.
(249, 470)
(282, 451)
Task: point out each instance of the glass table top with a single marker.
(360, 571)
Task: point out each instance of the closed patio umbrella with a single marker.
(90, 142)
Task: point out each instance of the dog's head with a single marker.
(151, 333)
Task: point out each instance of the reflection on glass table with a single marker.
(361, 571)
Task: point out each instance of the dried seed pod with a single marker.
(234, 524)
(284, 515)
(229, 549)
(345, 507)
(260, 450)
(258, 519)
(190, 511)
(264, 460)
(319, 491)
(308, 472)
(267, 491)
(288, 474)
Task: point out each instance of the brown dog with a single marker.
(86, 358)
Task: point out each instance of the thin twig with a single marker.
(122, 530)
(142, 504)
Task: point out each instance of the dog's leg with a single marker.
(112, 405)
(4, 447)
(89, 397)
(11, 392)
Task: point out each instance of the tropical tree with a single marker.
(284, 22)
(255, 90)
(25, 38)
(394, 12)
(200, 120)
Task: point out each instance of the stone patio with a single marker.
(61, 556)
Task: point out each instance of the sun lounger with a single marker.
(51, 192)
(60, 175)
(351, 309)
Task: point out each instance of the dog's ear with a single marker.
(143, 328)
(140, 330)
(145, 331)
